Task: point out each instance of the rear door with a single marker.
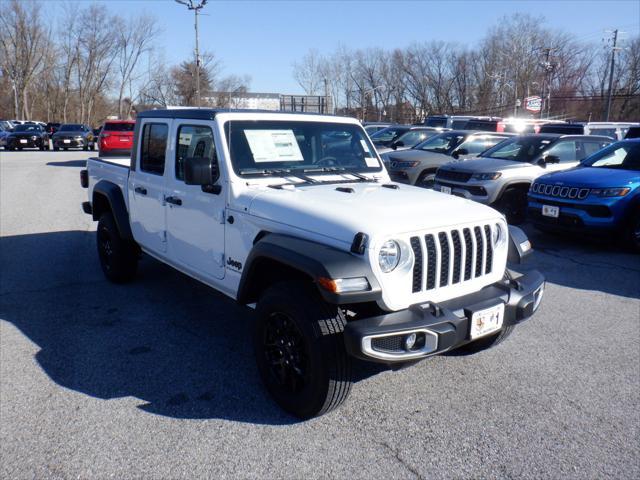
(195, 215)
(147, 185)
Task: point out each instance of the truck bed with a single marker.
(112, 169)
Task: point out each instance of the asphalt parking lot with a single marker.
(157, 378)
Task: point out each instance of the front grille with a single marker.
(559, 191)
(451, 257)
(453, 175)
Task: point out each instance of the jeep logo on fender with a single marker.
(236, 265)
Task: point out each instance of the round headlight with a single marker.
(389, 256)
(497, 235)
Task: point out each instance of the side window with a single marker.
(589, 148)
(193, 141)
(153, 148)
(565, 151)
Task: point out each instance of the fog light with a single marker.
(410, 341)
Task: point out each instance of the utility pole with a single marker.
(546, 84)
(196, 7)
(613, 60)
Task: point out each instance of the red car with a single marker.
(116, 138)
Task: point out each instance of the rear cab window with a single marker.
(153, 148)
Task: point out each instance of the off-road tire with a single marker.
(311, 338)
(118, 257)
(513, 204)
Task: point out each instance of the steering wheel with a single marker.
(327, 162)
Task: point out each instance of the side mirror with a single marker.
(397, 144)
(460, 151)
(551, 159)
(201, 171)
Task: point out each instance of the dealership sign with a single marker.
(533, 104)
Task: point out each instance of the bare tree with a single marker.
(22, 49)
(308, 72)
(135, 39)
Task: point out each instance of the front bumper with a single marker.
(576, 216)
(445, 326)
(73, 143)
(18, 143)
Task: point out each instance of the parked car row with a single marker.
(562, 182)
(115, 137)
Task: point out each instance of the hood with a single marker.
(25, 134)
(592, 177)
(482, 164)
(371, 208)
(390, 151)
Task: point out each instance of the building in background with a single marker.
(269, 101)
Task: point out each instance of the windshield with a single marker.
(27, 128)
(265, 147)
(72, 127)
(388, 135)
(442, 143)
(519, 149)
(414, 137)
(119, 127)
(621, 156)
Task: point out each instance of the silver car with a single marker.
(418, 165)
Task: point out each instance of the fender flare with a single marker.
(312, 259)
(115, 199)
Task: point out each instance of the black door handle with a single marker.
(140, 190)
(173, 200)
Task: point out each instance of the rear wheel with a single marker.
(299, 348)
(426, 180)
(55, 149)
(513, 204)
(118, 257)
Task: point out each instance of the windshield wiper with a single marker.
(360, 177)
(278, 172)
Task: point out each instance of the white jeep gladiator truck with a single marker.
(294, 215)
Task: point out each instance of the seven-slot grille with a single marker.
(560, 191)
(448, 258)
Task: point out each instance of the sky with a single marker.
(262, 39)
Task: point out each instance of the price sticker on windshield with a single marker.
(274, 146)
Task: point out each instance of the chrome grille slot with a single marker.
(417, 266)
(457, 256)
(431, 261)
(479, 250)
(444, 259)
(489, 262)
(468, 253)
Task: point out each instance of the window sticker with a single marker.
(273, 146)
(185, 138)
(365, 147)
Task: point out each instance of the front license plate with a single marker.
(446, 190)
(487, 321)
(67, 141)
(22, 140)
(550, 211)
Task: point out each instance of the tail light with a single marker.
(84, 178)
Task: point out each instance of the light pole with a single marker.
(196, 7)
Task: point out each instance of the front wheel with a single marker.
(426, 180)
(513, 204)
(299, 348)
(118, 257)
(633, 232)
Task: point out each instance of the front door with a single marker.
(146, 187)
(195, 218)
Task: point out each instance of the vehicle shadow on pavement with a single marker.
(68, 163)
(584, 263)
(180, 347)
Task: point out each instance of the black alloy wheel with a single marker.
(285, 353)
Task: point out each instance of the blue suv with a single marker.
(602, 195)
